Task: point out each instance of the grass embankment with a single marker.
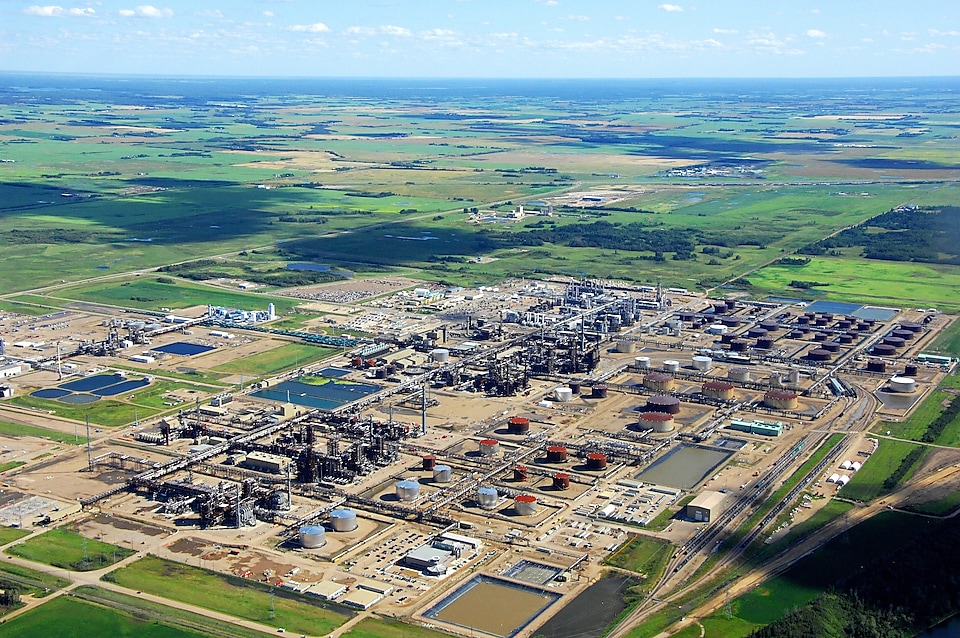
(10, 534)
(377, 627)
(645, 556)
(18, 429)
(11, 465)
(67, 617)
(44, 583)
(65, 548)
(287, 356)
(664, 518)
(230, 595)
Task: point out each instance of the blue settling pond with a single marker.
(326, 396)
(834, 307)
(183, 348)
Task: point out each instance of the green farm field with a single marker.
(233, 596)
(867, 484)
(283, 357)
(67, 617)
(62, 547)
(645, 555)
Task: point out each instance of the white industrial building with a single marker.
(705, 506)
(10, 370)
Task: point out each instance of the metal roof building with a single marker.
(704, 506)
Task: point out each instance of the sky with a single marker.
(485, 38)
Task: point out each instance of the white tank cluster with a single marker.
(407, 490)
(312, 536)
(343, 520)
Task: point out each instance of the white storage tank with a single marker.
(343, 520)
(702, 363)
(671, 366)
(626, 346)
(440, 355)
(717, 329)
(564, 394)
(739, 374)
(488, 497)
(408, 491)
(903, 384)
(641, 362)
(442, 474)
(793, 376)
(312, 536)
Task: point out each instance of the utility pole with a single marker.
(89, 453)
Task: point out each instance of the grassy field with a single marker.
(644, 555)
(10, 534)
(67, 617)
(940, 507)
(664, 518)
(69, 550)
(18, 429)
(947, 342)
(866, 281)
(232, 596)
(47, 582)
(284, 357)
(867, 484)
(915, 425)
(377, 627)
(11, 465)
(796, 533)
(169, 615)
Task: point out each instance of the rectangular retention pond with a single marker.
(320, 393)
(493, 606)
(684, 466)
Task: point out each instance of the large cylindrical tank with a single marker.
(488, 497)
(757, 332)
(896, 342)
(793, 376)
(596, 461)
(442, 474)
(884, 350)
(575, 385)
(440, 355)
(702, 363)
(489, 447)
(642, 362)
(903, 384)
(718, 390)
(717, 329)
(525, 505)
(312, 536)
(911, 326)
(876, 365)
(739, 345)
(781, 399)
(659, 381)
(671, 366)
(911, 370)
(906, 335)
(769, 325)
(343, 520)
(819, 354)
(564, 394)
(656, 421)
(407, 491)
(626, 346)
(518, 425)
(598, 391)
(821, 336)
(561, 481)
(520, 473)
(741, 375)
(765, 343)
(730, 322)
(663, 403)
(846, 338)
(556, 454)
(429, 462)
(831, 346)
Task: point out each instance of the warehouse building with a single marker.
(263, 462)
(703, 508)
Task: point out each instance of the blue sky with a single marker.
(485, 38)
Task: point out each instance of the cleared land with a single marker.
(18, 429)
(284, 357)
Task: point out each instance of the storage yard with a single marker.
(467, 457)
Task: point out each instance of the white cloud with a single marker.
(815, 33)
(548, 3)
(210, 13)
(726, 31)
(670, 8)
(387, 29)
(269, 14)
(316, 27)
(394, 30)
(56, 11)
(577, 18)
(936, 32)
(146, 11)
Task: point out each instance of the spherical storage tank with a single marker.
(312, 536)
(407, 491)
(489, 447)
(656, 421)
(488, 497)
(525, 505)
(442, 474)
(343, 520)
(902, 384)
